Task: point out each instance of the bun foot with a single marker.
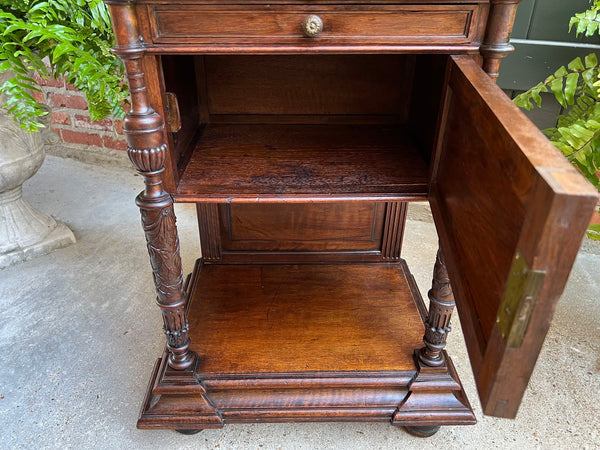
(189, 431)
(423, 431)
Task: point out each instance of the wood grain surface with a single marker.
(342, 24)
(500, 188)
(304, 318)
(279, 162)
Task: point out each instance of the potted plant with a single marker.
(55, 38)
(59, 38)
(576, 87)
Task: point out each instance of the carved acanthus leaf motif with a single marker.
(163, 248)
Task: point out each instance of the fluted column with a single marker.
(441, 306)
(147, 150)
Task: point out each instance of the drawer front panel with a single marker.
(282, 24)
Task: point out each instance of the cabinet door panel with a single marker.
(511, 213)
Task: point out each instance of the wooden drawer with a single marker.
(342, 24)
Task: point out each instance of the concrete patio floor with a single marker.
(79, 333)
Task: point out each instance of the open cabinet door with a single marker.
(511, 213)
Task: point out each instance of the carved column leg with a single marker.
(147, 150)
(435, 396)
(441, 305)
(158, 221)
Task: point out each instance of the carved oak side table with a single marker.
(301, 129)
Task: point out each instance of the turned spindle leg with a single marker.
(147, 150)
(441, 305)
(496, 44)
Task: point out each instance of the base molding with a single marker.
(176, 402)
(436, 397)
(187, 400)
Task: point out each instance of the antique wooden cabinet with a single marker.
(301, 129)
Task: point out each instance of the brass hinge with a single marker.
(173, 119)
(522, 290)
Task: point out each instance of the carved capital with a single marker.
(148, 159)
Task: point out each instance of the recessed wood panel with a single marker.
(302, 227)
(500, 190)
(310, 85)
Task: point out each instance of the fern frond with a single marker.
(587, 22)
(76, 36)
(566, 84)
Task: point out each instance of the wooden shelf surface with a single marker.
(265, 319)
(300, 162)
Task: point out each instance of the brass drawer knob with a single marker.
(312, 26)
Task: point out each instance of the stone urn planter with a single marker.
(24, 231)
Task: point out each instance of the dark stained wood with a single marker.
(501, 187)
(172, 115)
(301, 394)
(312, 85)
(209, 227)
(154, 87)
(147, 151)
(179, 78)
(307, 157)
(438, 386)
(252, 318)
(202, 89)
(302, 227)
(395, 218)
(441, 306)
(342, 24)
(496, 44)
(292, 162)
(427, 100)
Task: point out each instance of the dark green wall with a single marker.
(543, 43)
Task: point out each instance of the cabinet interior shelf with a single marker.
(300, 162)
(285, 318)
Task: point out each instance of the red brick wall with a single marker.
(71, 122)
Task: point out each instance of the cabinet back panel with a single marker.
(301, 227)
(301, 232)
(314, 85)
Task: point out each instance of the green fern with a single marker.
(576, 88)
(587, 22)
(577, 133)
(594, 232)
(76, 37)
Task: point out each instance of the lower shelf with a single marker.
(308, 342)
(296, 318)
